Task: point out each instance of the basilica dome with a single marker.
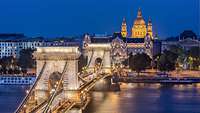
(139, 29)
(139, 21)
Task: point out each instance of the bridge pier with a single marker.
(71, 79)
(106, 85)
(75, 110)
(73, 95)
(41, 95)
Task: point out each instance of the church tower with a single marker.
(149, 28)
(139, 27)
(124, 28)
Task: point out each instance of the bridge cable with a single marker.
(79, 76)
(31, 89)
(89, 85)
(43, 103)
(54, 93)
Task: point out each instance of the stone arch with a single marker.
(102, 53)
(53, 81)
(58, 61)
(98, 61)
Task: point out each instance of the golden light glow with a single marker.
(139, 29)
(124, 29)
(149, 28)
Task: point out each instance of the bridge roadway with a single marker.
(60, 104)
(65, 106)
(41, 107)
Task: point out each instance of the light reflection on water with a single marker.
(147, 98)
(133, 98)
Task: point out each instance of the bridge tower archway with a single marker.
(98, 52)
(53, 81)
(54, 64)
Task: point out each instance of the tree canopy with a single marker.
(26, 59)
(139, 62)
(167, 61)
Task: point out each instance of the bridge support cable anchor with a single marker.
(24, 101)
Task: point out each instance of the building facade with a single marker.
(186, 40)
(139, 29)
(12, 44)
(122, 47)
(13, 48)
(141, 38)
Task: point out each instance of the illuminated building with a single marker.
(124, 29)
(186, 40)
(139, 29)
(12, 44)
(122, 47)
(149, 28)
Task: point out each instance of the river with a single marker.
(133, 98)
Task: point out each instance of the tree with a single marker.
(139, 62)
(127, 61)
(8, 64)
(167, 61)
(179, 52)
(26, 59)
(194, 57)
(194, 52)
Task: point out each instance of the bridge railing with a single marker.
(44, 103)
(24, 101)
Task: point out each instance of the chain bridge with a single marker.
(59, 87)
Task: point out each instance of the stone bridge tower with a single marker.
(95, 50)
(63, 60)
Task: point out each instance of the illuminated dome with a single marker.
(139, 20)
(139, 27)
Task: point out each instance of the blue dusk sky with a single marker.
(52, 18)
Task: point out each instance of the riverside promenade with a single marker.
(162, 80)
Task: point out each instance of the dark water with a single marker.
(10, 97)
(133, 98)
(147, 98)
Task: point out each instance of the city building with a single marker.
(124, 31)
(12, 44)
(187, 39)
(139, 28)
(141, 38)
(156, 46)
(122, 47)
